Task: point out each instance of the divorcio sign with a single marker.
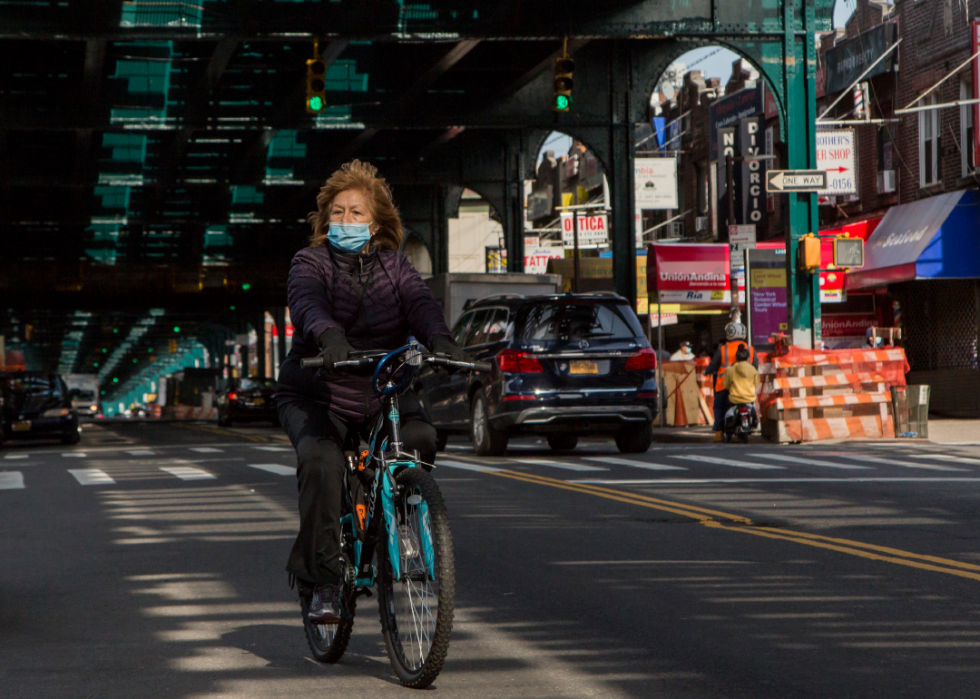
(696, 274)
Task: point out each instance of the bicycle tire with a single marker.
(328, 642)
(396, 595)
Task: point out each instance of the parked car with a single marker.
(247, 400)
(565, 366)
(35, 404)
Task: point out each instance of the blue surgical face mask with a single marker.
(349, 236)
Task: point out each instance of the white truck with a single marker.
(86, 403)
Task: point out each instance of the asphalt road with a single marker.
(148, 562)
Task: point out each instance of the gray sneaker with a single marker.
(325, 605)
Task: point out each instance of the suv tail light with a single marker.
(644, 360)
(232, 396)
(514, 362)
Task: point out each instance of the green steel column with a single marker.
(799, 72)
(621, 150)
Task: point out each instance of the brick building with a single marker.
(917, 169)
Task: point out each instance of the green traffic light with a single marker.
(246, 286)
(316, 103)
(176, 328)
(562, 102)
(115, 379)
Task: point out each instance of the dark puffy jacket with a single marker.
(322, 293)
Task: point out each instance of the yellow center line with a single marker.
(769, 534)
(707, 518)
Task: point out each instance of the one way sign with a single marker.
(796, 180)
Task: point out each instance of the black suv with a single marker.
(564, 366)
(37, 405)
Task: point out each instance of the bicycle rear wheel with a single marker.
(417, 611)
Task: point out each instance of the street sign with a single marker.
(796, 180)
(740, 239)
(741, 234)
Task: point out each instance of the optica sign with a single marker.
(696, 274)
(593, 231)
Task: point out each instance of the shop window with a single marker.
(928, 143)
(966, 130)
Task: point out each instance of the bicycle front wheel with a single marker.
(417, 610)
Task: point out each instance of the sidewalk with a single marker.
(954, 431)
(940, 432)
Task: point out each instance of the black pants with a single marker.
(319, 438)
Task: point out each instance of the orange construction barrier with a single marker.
(681, 385)
(809, 395)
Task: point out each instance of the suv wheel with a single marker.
(487, 441)
(223, 419)
(562, 442)
(633, 440)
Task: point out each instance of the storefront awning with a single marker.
(934, 238)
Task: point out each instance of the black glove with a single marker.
(443, 344)
(333, 347)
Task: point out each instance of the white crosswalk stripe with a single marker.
(466, 466)
(91, 476)
(273, 448)
(10, 480)
(278, 469)
(811, 462)
(946, 457)
(560, 464)
(207, 450)
(141, 452)
(187, 473)
(894, 462)
(630, 462)
(75, 455)
(16, 456)
(728, 462)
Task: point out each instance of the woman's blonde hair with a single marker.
(362, 176)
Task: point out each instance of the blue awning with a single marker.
(934, 238)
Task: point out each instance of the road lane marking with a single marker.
(141, 452)
(277, 469)
(560, 464)
(954, 459)
(207, 450)
(16, 456)
(187, 473)
(10, 480)
(635, 464)
(689, 481)
(273, 448)
(728, 462)
(810, 462)
(467, 467)
(735, 523)
(75, 455)
(91, 476)
(893, 462)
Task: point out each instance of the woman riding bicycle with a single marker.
(350, 290)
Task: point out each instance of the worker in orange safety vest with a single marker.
(735, 335)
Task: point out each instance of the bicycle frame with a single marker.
(382, 488)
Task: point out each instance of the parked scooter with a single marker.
(740, 421)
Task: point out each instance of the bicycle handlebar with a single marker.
(317, 363)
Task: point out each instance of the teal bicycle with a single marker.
(393, 512)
